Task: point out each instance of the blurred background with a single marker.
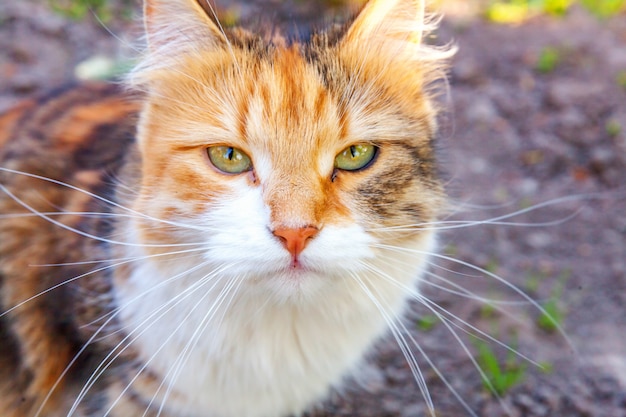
(533, 151)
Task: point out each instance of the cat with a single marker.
(229, 236)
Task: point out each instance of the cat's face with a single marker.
(288, 160)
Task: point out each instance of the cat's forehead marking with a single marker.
(289, 112)
(292, 129)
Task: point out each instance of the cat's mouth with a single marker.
(296, 268)
(296, 265)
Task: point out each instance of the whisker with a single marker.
(471, 295)
(494, 221)
(402, 344)
(88, 193)
(112, 315)
(496, 277)
(56, 213)
(177, 367)
(502, 281)
(442, 314)
(460, 290)
(114, 35)
(230, 46)
(159, 312)
(122, 261)
(459, 224)
(82, 233)
(206, 279)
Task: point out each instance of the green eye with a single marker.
(229, 160)
(355, 157)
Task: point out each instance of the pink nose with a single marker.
(295, 240)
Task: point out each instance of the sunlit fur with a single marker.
(206, 306)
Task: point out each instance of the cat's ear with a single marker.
(388, 21)
(179, 26)
(175, 30)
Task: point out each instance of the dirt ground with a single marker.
(536, 122)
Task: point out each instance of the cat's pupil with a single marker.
(353, 151)
(229, 159)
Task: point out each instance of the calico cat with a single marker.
(229, 238)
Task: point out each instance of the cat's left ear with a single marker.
(389, 21)
(180, 26)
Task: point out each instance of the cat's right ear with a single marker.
(175, 30)
(175, 27)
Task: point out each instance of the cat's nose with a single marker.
(295, 240)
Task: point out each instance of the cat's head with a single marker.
(282, 159)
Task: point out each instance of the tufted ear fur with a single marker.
(175, 30)
(387, 37)
(389, 20)
(180, 25)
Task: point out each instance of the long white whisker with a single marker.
(444, 320)
(402, 344)
(82, 233)
(465, 293)
(494, 221)
(442, 314)
(230, 46)
(63, 213)
(113, 34)
(160, 312)
(112, 315)
(189, 292)
(460, 290)
(449, 319)
(460, 224)
(122, 261)
(231, 288)
(90, 194)
(496, 277)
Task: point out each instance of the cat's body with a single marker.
(58, 138)
(236, 260)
